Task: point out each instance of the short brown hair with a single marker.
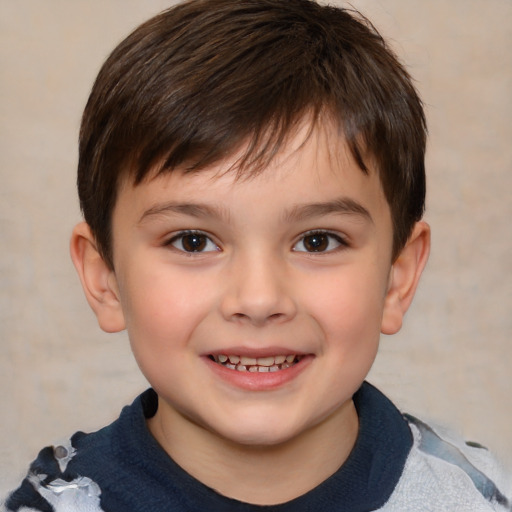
(192, 84)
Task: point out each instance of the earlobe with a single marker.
(97, 278)
(404, 277)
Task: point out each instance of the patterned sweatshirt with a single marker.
(397, 464)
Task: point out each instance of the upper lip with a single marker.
(256, 352)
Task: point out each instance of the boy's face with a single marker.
(289, 269)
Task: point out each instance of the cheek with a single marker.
(349, 304)
(349, 312)
(162, 312)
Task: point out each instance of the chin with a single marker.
(259, 434)
(259, 439)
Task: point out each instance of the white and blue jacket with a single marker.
(398, 464)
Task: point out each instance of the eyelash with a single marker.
(329, 237)
(174, 240)
(321, 235)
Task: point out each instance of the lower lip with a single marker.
(256, 381)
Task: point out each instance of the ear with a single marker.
(98, 279)
(404, 277)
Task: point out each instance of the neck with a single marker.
(261, 475)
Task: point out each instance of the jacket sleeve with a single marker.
(52, 486)
(44, 469)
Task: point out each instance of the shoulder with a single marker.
(74, 475)
(52, 484)
(444, 473)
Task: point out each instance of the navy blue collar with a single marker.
(365, 482)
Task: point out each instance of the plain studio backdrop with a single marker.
(452, 361)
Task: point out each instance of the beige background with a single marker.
(452, 361)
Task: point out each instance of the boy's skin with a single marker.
(265, 281)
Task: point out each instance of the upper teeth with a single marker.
(267, 361)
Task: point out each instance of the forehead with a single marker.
(314, 166)
(317, 139)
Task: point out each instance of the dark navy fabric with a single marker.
(135, 474)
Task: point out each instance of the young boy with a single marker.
(251, 175)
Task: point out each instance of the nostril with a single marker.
(257, 319)
(240, 316)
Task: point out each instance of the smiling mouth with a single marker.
(256, 365)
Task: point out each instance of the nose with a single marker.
(258, 291)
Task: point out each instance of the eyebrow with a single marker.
(190, 209)
(342, 205)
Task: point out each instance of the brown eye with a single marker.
(316, 243)
(319, 241)
(193, 242)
